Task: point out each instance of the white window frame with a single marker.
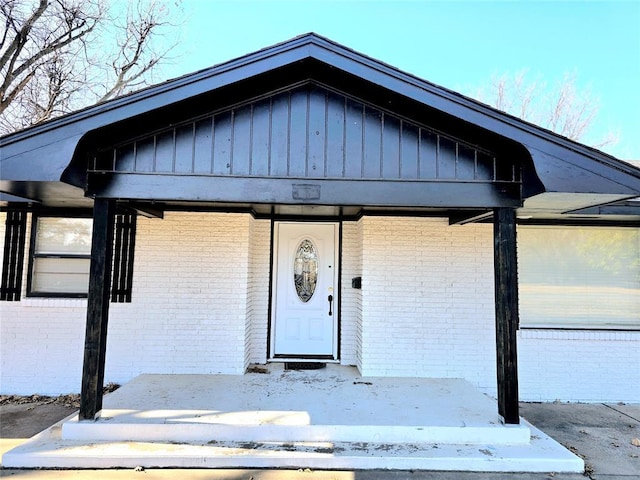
(35, 254)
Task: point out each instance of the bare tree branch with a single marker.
(60, 55)
(22, 34)
(562, 109)
(135, 56)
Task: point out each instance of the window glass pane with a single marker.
(579, 277)
(64, 235)
(61, 275)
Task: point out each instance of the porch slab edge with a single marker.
(194, 432)
(48, 450)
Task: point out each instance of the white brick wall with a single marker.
(581, 366)
(258, 288)
(200, 304)
(427, 300)
(188, 313)
(189, 308)
(41, 341)
(351, 303)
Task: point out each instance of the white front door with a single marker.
(304, 317)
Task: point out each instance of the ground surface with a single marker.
(604, 435)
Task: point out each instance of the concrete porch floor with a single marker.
(274, 418)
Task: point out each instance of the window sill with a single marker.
(57, 302)
(578, 334)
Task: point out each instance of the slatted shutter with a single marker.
(123, 253)
(13, 259)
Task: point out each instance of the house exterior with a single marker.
(308, 203)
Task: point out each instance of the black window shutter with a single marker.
(123, 251)
(13, 259)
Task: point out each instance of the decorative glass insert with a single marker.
(305, 270)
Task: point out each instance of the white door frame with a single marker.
(334, 356)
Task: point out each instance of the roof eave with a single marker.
(57, 140)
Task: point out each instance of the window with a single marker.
(61, 254)
(579, 277)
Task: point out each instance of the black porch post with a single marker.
(95, 342)
(506, 301)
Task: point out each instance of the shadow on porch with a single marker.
(330, 418)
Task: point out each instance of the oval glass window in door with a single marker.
(305, 270)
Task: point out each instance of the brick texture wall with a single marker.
(190, 298)
(258, 290)
(351, 303)
(427, 300)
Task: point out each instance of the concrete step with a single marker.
(542, 455)
(275, 426)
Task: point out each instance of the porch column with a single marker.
(95, 342)
(506, 304)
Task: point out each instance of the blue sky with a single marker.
(459, 45)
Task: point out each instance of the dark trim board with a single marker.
(286, 191)
(95, 346)
(270, 302)
(339, 323)
(506, 308)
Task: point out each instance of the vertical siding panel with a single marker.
(164, 152)
(260, 139)
(485, 167)
(250, 146)
(372, 139)
(409, 157)
(241, 140)
(279, 135)
(337, 161)
(202, 146)
(173, 156)
(353, 139)
(466, 163)
(184, 149)
(213, 141)
(317, 133)
(390, 147)
(298, 134)
(144, 155)
(428, 154)
(447, 158)
(125, 158)
(222, 144)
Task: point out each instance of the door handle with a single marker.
(330, 304)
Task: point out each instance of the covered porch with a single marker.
(311, 132)
(273, 417)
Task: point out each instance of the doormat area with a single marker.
(304, 365)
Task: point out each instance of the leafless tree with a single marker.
(57, 56)
(562, 108)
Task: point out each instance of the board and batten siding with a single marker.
(306, 132)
